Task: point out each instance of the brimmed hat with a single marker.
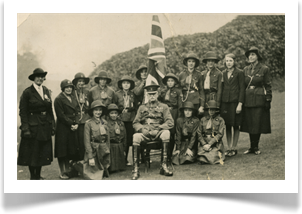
(97, 103)
(126, 78)
(191, 56)
(231, 56)
(151, 88)
(254, 50)
(210, 55)
(102, 75)
(80, 76)
(65, 83)
(170, 75)
(37, 72)
(137, 73)
(113, 107)
(211, 104)
(188, 105)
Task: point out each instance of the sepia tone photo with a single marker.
(151, 96)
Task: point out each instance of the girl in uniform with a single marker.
(232, 100)
(186, 147)
(118, 139)
(127, 103)
(209, 134)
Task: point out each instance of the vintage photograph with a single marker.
(146, 96)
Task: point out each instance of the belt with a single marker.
(97, 141)
(252, 87)
(210, 90)
(38, 113)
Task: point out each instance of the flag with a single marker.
(156, 54)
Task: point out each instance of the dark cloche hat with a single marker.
(254, 50)
(137, 73)
(170, 75)
(210, 55)
(80, 76)
(126, 78)
(102, 75)
(37, 72)
(97, 103)
(112, 107)
(187, 104)
(191, 56)
(66, 83)
(211, 104)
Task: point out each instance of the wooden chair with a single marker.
(145, 152)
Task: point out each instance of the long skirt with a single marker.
(228, 113)
(33, 152)
(256, 121)
(216, 155)
(181, 158)
(117, 157)
(80, 133)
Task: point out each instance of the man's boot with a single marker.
(164, 169)
(135, 171)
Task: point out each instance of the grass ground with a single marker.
(269, 165)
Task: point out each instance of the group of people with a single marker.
(188, 116)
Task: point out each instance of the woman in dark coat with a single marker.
(81, 95)
(258, 97)
(67, 146)
(37, 125)
(232, 100)
(186, 148)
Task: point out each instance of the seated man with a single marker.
(152, 122)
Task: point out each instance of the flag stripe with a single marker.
(154, 50)
(155, 54)
(155, 44)
(156, 31)
(155, 18)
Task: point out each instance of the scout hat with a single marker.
(188, 105)
(66, 83)
(231, 55)
(102, 75)
(170, 75)
(138, 72)
(211, 104)
(126, 78)
(191, 56)
(80, 76)
(112, 107)
(254, 50)
(210, 55)
(97, 103)
(152, 88)
(37, 72)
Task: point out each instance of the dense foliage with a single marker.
(267, 32)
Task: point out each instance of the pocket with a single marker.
(259, 97)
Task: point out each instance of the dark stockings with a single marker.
(35, 172)
(254, 139)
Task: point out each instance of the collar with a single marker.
(96, 120)
(149, 104)
(253, 65)
(105, 88)
(37, 87)
(193, 72)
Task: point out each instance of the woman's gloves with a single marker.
(91, 162)
(27, 134)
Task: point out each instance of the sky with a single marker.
(68, 43)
